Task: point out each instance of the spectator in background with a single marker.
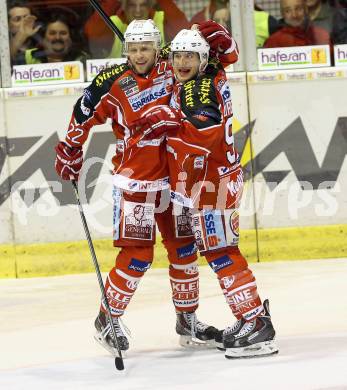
(22, 28)
(297, 29)
(102, 42)
(219, 11)
(320, 13)
(339, 31)
(60, 43)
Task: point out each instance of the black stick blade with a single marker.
(119, 363)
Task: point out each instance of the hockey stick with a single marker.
(118, 359)
(107, 19)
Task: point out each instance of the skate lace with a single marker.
(120, 327)
(247, 328)
(233, 328)
(195, 324)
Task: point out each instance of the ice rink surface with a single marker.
(46, 334)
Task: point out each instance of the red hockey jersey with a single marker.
(203, 163)
(123, 96)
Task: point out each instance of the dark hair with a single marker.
(18, 3)
(70, 21)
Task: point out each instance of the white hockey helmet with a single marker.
(192, 41)
(142, 31)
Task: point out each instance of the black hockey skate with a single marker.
(194, 333)
(104, 334)
(231, 330)
(252, 338)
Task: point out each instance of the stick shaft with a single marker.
(106, 19)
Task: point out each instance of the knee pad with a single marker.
(122, 281)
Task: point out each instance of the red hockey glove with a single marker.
(68, 161)
(158, 121)
(217, 36)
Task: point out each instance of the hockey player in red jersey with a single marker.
(206, 176)
(124, 93)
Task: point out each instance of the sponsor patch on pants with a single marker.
(138, 221)
(183, 221)
(208, 229)
(232, 226)
(220, 263)
(139, 265)
(187, 250)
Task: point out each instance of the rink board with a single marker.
(292, 136)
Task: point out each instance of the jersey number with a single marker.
(229, 139)
(161, 67)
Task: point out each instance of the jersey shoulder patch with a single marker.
(100, 86)
(199, 101)
(199, 92)
(108, 76)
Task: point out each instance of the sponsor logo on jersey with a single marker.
(116, 296)
(220, 263)
(138, 265)
(108, 73)
(191, 269)
(226, 96)
(226, 93)
(180, 199)
(220, 84)
(228, 281)
(199, 162)
(183, 222)
(188, 93)
(132, 284)
(234, 223)
(204, 91)
(235, 186)
(119, 146)
(214, 230)
(127, 82)
(150, 95)
(132, 185)
(138, 221)
(145, 186)
(84, 109)
(131, 91)
(185, 286)
(159, 79)
(129, 85)
(187, 250)
(223, 170)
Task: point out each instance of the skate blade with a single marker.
(113, 351)
(219, 346)
(194, 343)
(265, 348)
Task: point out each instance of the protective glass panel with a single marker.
(301, 33)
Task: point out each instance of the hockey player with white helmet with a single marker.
(125, 93)
(206, 176)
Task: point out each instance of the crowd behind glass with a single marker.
(65, 30)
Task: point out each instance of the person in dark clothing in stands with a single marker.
(23, 28)
(339, 31)
(60, 43)
(297, 28)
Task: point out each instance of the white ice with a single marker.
(46, 334)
